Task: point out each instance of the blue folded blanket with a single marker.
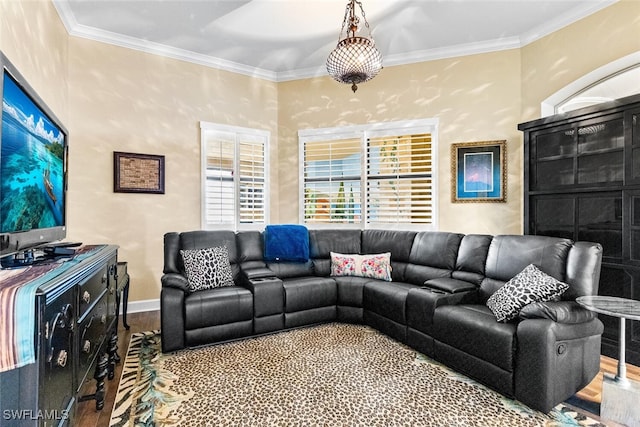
(287, 242)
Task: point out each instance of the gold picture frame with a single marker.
(479, 172)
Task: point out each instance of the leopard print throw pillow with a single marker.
(530, 285)
(207, 268)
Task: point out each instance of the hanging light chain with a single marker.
(344, 22)
(364, 16)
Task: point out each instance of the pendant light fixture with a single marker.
(355, 59)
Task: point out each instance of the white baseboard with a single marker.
(144, 305)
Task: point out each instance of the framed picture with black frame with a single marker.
(478, 172)
(138, 173)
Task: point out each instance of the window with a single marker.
(234, 172)
(369, 176)
(617, 79)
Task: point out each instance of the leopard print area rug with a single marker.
(328, 375)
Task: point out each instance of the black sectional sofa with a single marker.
(435, 303)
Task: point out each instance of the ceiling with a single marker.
(290, 39)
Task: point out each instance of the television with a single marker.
(33, 167)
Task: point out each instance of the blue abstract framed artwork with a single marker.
(478, 172)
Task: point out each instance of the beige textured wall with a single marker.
(115, 99)
(35, 41)
(126, 100)
(475, 98)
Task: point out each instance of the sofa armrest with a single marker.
(175, 280)
(268, 295)
(569, 312)
(450, 285)
(422, 303)
(172, 320)
(258, 273)
(553, 360)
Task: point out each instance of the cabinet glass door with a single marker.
(593, 217)
(600, 220)
(633, 226)
(601, 152)
(553, 216)
(553, 158)
(633, 148)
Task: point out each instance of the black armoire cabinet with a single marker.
(582, 182)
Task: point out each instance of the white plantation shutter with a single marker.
(252, 181)
(332, 171)
(370, 176)
(234, 177)
(399, 180)
(220, 197)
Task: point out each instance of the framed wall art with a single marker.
(478, 172)
(138, 173)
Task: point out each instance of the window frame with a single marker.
(236, 131)
(364, 132)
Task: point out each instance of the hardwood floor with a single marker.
(87, 416)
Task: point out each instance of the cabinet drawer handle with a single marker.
(86, 346)
(61, 360)
(86, 297)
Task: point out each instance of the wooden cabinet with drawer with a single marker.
(74, 332)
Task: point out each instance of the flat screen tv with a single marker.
(33, 167)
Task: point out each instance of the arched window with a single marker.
(615, 80)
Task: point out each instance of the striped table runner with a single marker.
(18, 288)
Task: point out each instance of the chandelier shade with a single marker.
(355, 59)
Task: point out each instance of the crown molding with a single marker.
(170, 52)
(79, 30)
(108, 37)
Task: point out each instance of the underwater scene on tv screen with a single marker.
(31, 164)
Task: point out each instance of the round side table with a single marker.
(618, 307)
(620, 396)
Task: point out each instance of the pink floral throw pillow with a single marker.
(376, 266)
(342, 265)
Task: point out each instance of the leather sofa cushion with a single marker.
(509, 254)
(472, 256)
(583, 270)
(202, 239)
(473, 329)
(387, 299)
(433, 255)
(217, 306)
(207, 239)
(250, 248)
(351, 290)
(381, 241)
(303, 293)
(435, 249)
(323, 242)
